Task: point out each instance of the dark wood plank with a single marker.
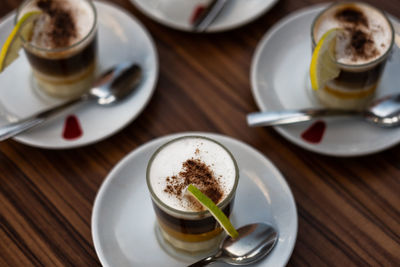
(349, 208)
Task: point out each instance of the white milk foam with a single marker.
(378, 28)
(168, 162)
(81, 12)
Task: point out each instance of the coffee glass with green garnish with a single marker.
(182, 222)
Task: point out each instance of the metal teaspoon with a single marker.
(112, 86)
(383, 112)
(255, 241)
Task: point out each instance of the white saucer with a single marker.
(121, 38)
(279, 78)
(178, 13)
(123, 219)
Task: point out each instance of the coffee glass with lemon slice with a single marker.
(60, 44)
(351, 44)
(208, 169)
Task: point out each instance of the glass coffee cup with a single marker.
(183, 222)
(62, 48)
(362, 49)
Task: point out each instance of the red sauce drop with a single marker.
(315, 132)
(196, 13)
(72, 128)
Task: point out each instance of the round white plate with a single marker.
(123, 220)
(120, 38)
(177, 14)
(279, 78)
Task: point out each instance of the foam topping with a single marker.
(63, 22)
(191, 160)
(367, 35)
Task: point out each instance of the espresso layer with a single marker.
(352, 81)
(185, 226)
(64, 66)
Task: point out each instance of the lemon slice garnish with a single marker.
(214, 210)
(10, 49)
(323, 66)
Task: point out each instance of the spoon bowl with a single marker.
(384, 111)
(116, 83)
(255, 241)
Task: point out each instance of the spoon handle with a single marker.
(204, 262)
(269, 118)
(209, 15)
(23, 125)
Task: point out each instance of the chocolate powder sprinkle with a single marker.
(44, 5)
(195, 172)
(63, 25)
(352, 15)
(361, 44)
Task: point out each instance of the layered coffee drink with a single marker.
(361, 51)
(62, 46)
(183, 221)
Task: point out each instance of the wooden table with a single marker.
(349, 208)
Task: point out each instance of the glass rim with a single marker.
(60, 49)
(356, 66)
(220, 205)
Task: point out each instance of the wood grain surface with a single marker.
(349, 208)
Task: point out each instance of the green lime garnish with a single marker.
(214, 210)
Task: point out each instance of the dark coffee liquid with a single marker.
(65, 66)
(193, 227)
(359, 80)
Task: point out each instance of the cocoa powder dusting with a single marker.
(361, 44)
(352, 15)
(195, 172)
(63, 28)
